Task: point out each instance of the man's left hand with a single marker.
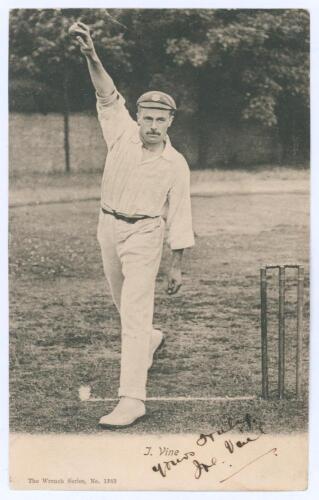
(174, 280)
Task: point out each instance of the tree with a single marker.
(41, 49)
(238, 65)
(253, 62)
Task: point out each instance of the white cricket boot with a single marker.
(157, 340)
(127, 411)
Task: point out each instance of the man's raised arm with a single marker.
(102, 82)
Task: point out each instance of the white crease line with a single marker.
(85, 395)
(180, 398)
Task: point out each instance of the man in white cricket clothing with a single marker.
(143, 176)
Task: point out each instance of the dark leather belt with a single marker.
(130, 220)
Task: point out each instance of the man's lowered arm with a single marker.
(175, 272)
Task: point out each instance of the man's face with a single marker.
(153, 124)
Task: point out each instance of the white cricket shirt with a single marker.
(135, 187)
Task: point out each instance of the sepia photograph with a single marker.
(159, 243)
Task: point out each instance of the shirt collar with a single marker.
(168, 150)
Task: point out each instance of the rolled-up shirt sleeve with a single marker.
(113, 116)
(179, 216)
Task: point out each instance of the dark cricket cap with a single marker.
(156, 100)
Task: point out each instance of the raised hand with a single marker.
(81, 33)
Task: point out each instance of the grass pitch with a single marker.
(64, 329)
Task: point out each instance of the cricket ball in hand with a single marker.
(74, 31)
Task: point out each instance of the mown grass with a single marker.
(64, 330)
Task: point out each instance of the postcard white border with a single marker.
(313, 7)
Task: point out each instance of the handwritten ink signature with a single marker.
(244, 424)
(272, 450)
(163, 467)
(199, 467)
(229, 445)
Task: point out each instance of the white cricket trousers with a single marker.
(131, 255)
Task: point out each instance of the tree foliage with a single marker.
(41, 48)
(235, 64)
(261, 55)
